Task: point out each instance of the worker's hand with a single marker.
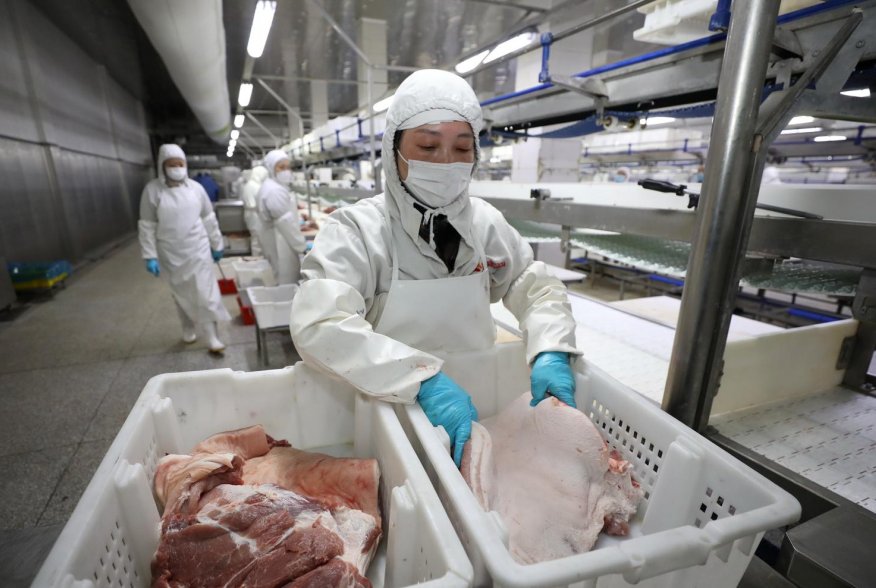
(152, 267)
(217, 254)
(552, 375)
(448, 405)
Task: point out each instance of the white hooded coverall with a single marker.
(177, 226)
(346, 278)
(281, 238)
(249, 194)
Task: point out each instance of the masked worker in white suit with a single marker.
(397, 282)
(179, 234)
(281, 237)
(249, 194)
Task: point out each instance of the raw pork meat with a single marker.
(551, 477)
(298, 516)
(336, 481)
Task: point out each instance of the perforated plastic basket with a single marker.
(703, 514)
(113, 533)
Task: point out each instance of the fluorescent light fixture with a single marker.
(510, 46)
(803, 130)
(829, 138)
(466, 65)
(235, 134)
(238, 120)
(245, 94)
(261, 26)
(232, 143)
(801, 120)
(382, 105)
(862, 93)
(656, 120)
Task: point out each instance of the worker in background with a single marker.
(397, 283)
(281, 237)
(621, 175)
(209, 184)
(771, 175)
(698, 176)
(179, 234)
(249, 194)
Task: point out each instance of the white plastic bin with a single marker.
(113, 532)
(272, 305)
(256, 272)
(703, 515)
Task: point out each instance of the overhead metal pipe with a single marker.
(724, 218)
(561, 35)
(252, 117)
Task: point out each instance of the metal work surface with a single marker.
(829, 438)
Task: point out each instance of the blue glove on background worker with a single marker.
(448, 405)
(217, 254)
(152, 267)
(552, 375)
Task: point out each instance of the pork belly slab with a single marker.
(300, 519)
(551, 477)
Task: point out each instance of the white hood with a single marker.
(169, 151)
(428, 89)
(272, 159)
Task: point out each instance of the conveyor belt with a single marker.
(669, 258)
(829, 438)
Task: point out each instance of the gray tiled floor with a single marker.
(71, 367)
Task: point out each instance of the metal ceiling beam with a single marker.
(561, 35)
(525, 7)
(276, 78)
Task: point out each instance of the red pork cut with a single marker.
(551, 477)
(221, 529)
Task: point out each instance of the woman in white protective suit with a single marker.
(281, 237)
(397, 283)
(249, 194)
(179, 234)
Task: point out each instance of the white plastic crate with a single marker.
(113, 533)
(702, 517)
(256, 272)
(272, 305)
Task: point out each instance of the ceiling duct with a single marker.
(190, 38)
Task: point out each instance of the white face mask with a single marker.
(177, 174)
(437, 184)
(285, 176)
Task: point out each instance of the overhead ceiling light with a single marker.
(466, 65)
(862, 93)
(238, 120)
(828, 138)
(232, 143)
(803, 130)
(382, 105)
(510, 46)
(245, 94)
(261, 26)
(800, 120)
(657, 120)
(235, 134)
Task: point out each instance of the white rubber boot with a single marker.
(190, 334)
(213, 342)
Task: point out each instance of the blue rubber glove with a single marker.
(152, 267)
(552, 375)
(448, 405)
(217, 254)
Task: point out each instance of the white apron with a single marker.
(184, 254)
(442, 316)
